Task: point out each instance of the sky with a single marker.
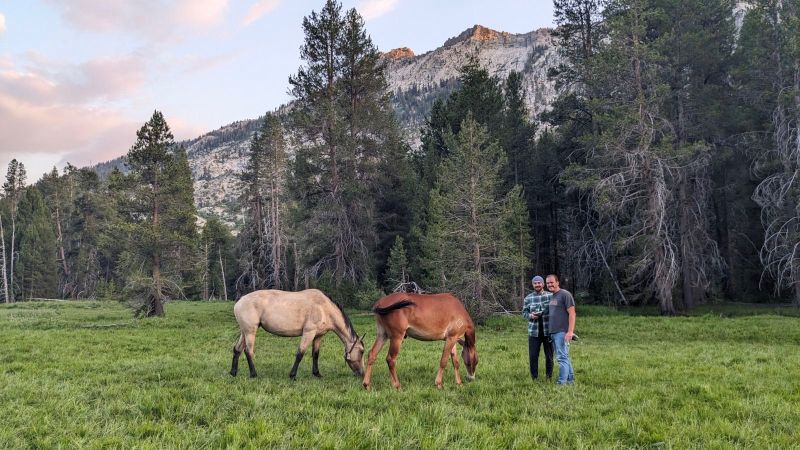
(79, 77)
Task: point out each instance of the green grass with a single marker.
(85, 374)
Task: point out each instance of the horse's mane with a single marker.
(347, 321)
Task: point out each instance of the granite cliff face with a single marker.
(416, 81)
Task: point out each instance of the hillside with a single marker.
(416, 82)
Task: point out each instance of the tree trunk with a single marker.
(11, 256)
(687, 276)
(222, 272)
(6, 298)
(157, 307)
(205, 272)
(60, 239)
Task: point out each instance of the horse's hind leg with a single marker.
(454, 359)
(249, 346)
(237, 352)
(380, 339)
(305, 340)
(315, 356)
(448, 349)
(391, 359)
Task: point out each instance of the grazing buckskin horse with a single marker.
(308, 313)
(427, 317)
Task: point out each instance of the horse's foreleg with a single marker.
(373, 355)
(305, 341)
(315, 357)
(237, 352)
(249, 346)
(391, 359)
(448, 349)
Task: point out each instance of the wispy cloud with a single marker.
(258, 10)
(2, 23)
(50, 108)
(372, 9)
(150, 19)
(40, 80)
(201, 14)
(195, 64)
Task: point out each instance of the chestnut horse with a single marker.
(308, 313)
(427, 317)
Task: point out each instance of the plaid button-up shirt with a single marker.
(538, 303)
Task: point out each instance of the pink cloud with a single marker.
(73, 133)
(2, 23)
(201, 14)
(150, 19)
(193, 64)
(42, 80)
(258, 10)
(372, 9)
(50, 110)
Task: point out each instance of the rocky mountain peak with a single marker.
(477, 33)
(400, 53)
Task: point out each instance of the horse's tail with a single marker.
(394, 306)
(240, 343)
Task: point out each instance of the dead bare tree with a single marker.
(778, 194)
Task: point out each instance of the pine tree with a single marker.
(59, 192)
(88, 232)
(397, 266)
(160, 219)
(346, 133)
(37, 270)
(216, 242)
(265, 239)
(13, 189)
(471, 247)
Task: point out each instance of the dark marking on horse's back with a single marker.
(393, 307)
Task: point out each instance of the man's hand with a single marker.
(534, 316)
(568, 337)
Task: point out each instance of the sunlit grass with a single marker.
(85, 374)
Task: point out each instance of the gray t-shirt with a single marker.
(559, 318)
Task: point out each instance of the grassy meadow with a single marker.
(88, 375)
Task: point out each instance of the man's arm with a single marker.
(526, 308)
(571, 328)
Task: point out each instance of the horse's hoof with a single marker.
(233, 374)
(253, 375)
(317, 374)
(439, 386)
(366, 386)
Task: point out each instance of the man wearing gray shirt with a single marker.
(562, 327)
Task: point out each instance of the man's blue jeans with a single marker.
(565, 373)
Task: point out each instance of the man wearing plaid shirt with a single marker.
(536, 308)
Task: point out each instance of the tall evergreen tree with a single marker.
(88, 233)
(37, 270)
(397, 266)
(13, 189)
(264, 242)
(471, 247)
(216, 245)
(346, 132)
(161, 219)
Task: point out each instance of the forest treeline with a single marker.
(665, 173)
